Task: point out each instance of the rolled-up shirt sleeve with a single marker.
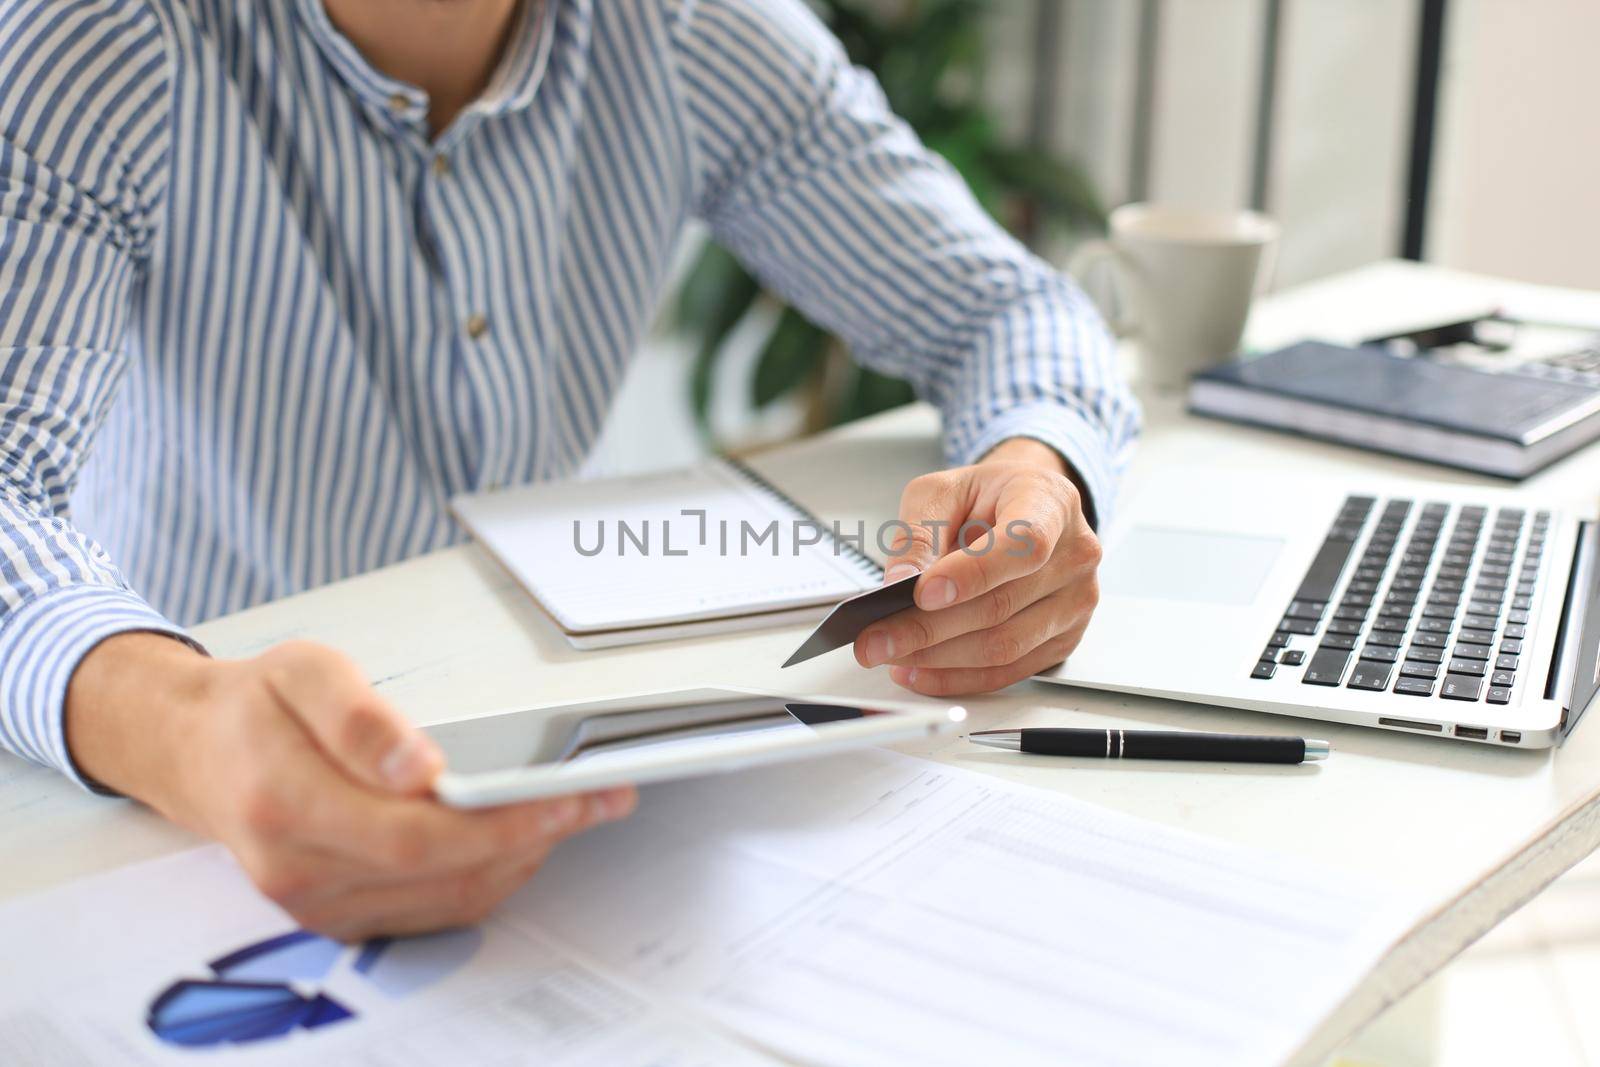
(805, 174)
(83, 112)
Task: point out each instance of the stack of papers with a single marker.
(867, 909)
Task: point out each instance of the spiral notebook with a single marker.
(703, 550)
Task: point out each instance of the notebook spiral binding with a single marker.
(866, 563)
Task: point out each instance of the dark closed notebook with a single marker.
(1502, 423)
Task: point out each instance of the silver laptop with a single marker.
(1422, 608)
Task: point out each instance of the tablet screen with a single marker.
(594, 739)
(574, 737)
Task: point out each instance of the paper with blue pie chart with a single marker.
(274, 987)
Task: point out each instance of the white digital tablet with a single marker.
(549, 751)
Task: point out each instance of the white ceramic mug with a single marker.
(1186, 280)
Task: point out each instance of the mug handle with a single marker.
(1084, 261)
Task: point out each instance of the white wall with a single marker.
(1517, 179)
(1343, 88)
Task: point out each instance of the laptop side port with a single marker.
(1473, 733)
(1411, 724)
(1511, 737)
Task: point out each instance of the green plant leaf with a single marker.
(1061, 189)
(715, 298)
(871, 393)
(792, 354)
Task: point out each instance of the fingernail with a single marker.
(599, 809)
(560, 814)
(879, 649)
(904, 676)
(899, 571)
(938, 593)
(407, 764)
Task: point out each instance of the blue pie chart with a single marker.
(269, 989)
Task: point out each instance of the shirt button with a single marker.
(441, 165)
(477, 325)
(399, 103)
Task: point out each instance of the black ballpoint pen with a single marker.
(1155, 744)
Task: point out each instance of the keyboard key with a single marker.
(1474, 667)
(1417, 669)
(1344, 626)
(1425, 655)
(1484, 609)
(1434, 626)
(1479, 622)
(1292, 658)
(1278, 640)
(1472, 651)
(1414, 687)
(1327, 667)
(1430, 640)
(1370, 675)
(1505, 663)
(1516, 632)
(1439, 610)
(1350, 611)
(1519, 618)
(1265, 669)
(1460, 687)
(1380, 653)
(1522, 603)
(1339, 641)
(1476, 637)
(1503, 678)
(1269, 653)
(1298, 626)
(1499, 695)
(1328, 565)
(1511, 648)
(1306, 609)
(1391, 638)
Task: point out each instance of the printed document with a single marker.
(859, 910)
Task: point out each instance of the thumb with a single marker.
(931, 508)
(360, 731)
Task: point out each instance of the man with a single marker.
(279, 277)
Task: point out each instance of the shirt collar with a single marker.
(512, 87)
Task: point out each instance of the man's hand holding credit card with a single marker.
(991, 577)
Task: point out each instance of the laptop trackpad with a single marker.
(1197, 565)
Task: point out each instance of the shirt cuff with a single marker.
(41, 644)
(1078, 441)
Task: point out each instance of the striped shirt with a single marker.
(258, 323)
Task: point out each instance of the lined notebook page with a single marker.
(632, 581)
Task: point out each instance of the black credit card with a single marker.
(849, 617)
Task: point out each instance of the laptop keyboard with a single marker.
(1440, 613)
(1581, 367)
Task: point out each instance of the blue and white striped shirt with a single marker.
(256, 327)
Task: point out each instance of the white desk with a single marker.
(1464, 833)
